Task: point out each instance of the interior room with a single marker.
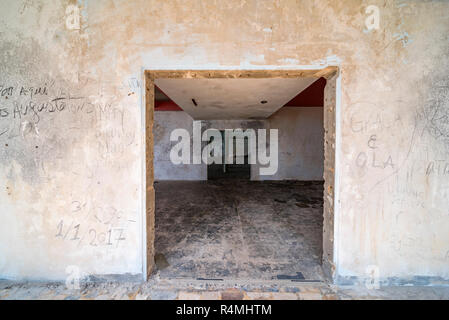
(229, 221)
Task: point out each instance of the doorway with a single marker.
(236, 169)
(234, 212)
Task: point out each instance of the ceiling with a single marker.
(223, 99)
(313, 96)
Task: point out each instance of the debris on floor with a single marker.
(228, 229)
(156, 291)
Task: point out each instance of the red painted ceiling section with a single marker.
(313, 96)
(166, 106)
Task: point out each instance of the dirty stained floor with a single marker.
(158, 289)
(237, 229)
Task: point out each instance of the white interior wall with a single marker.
(301, 145)
(164, 123)
(301, 152)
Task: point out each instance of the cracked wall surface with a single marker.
(72, 123)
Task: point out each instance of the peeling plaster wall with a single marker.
(71, 175)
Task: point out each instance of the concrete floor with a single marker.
(237, 229)
(158, 289)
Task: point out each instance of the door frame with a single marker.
(331, 110)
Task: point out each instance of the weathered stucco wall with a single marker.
(76, 171)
